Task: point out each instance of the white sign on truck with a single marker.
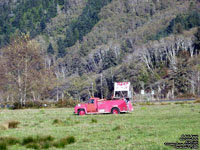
(122, 86)
(122, 89)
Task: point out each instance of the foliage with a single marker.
(25, 71)
(61, 48)
(50, 49)
(64, 141)
(93, 120)
(46, 142)
(197, 41)
(28, 16)
(85, 21)
(109, 60)
(178, 24)
(3, 146)
(66, 103)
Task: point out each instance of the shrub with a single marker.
(181, 102)
(46, 145)
(28, 140)
(33, 146)
(66, 103)
(17, 105)
(9, 140)
(65, 141)
(93, 120)
(186, 96)
(45, 138)
(70, 139)
(13, 124)
(57, 121)
(31, 104)
(3, 146)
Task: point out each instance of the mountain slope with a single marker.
(141, 41)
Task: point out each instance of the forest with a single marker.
(65, 50)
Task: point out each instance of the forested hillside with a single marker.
(73, 49)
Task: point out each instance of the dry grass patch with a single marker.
(13, 124)
(197, 101)
(9, 125)
(4, 126)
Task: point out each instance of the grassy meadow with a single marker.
(147, 128)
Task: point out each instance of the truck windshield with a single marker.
(91, 101)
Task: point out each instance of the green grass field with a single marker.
(147, 128)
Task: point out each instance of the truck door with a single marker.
(91, 107)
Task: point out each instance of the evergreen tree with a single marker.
(42, 25)
(61, 48)
(50, 49)
(197, 40)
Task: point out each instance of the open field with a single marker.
(148, 127)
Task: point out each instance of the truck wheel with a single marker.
(81, 112)
(115, 111)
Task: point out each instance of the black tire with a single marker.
(115, 111)
(80, 112)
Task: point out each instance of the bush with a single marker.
(9, 140)
(45, 138)
(38, 142)
(33, 146)
(31, 104)
(17, 105)
(66, 103)
(65, 141)
(57, 121)
(46, 145)
(186, 96)
(28, 140)
(3, 146)
(93, 120)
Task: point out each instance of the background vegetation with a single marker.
(81, 47)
